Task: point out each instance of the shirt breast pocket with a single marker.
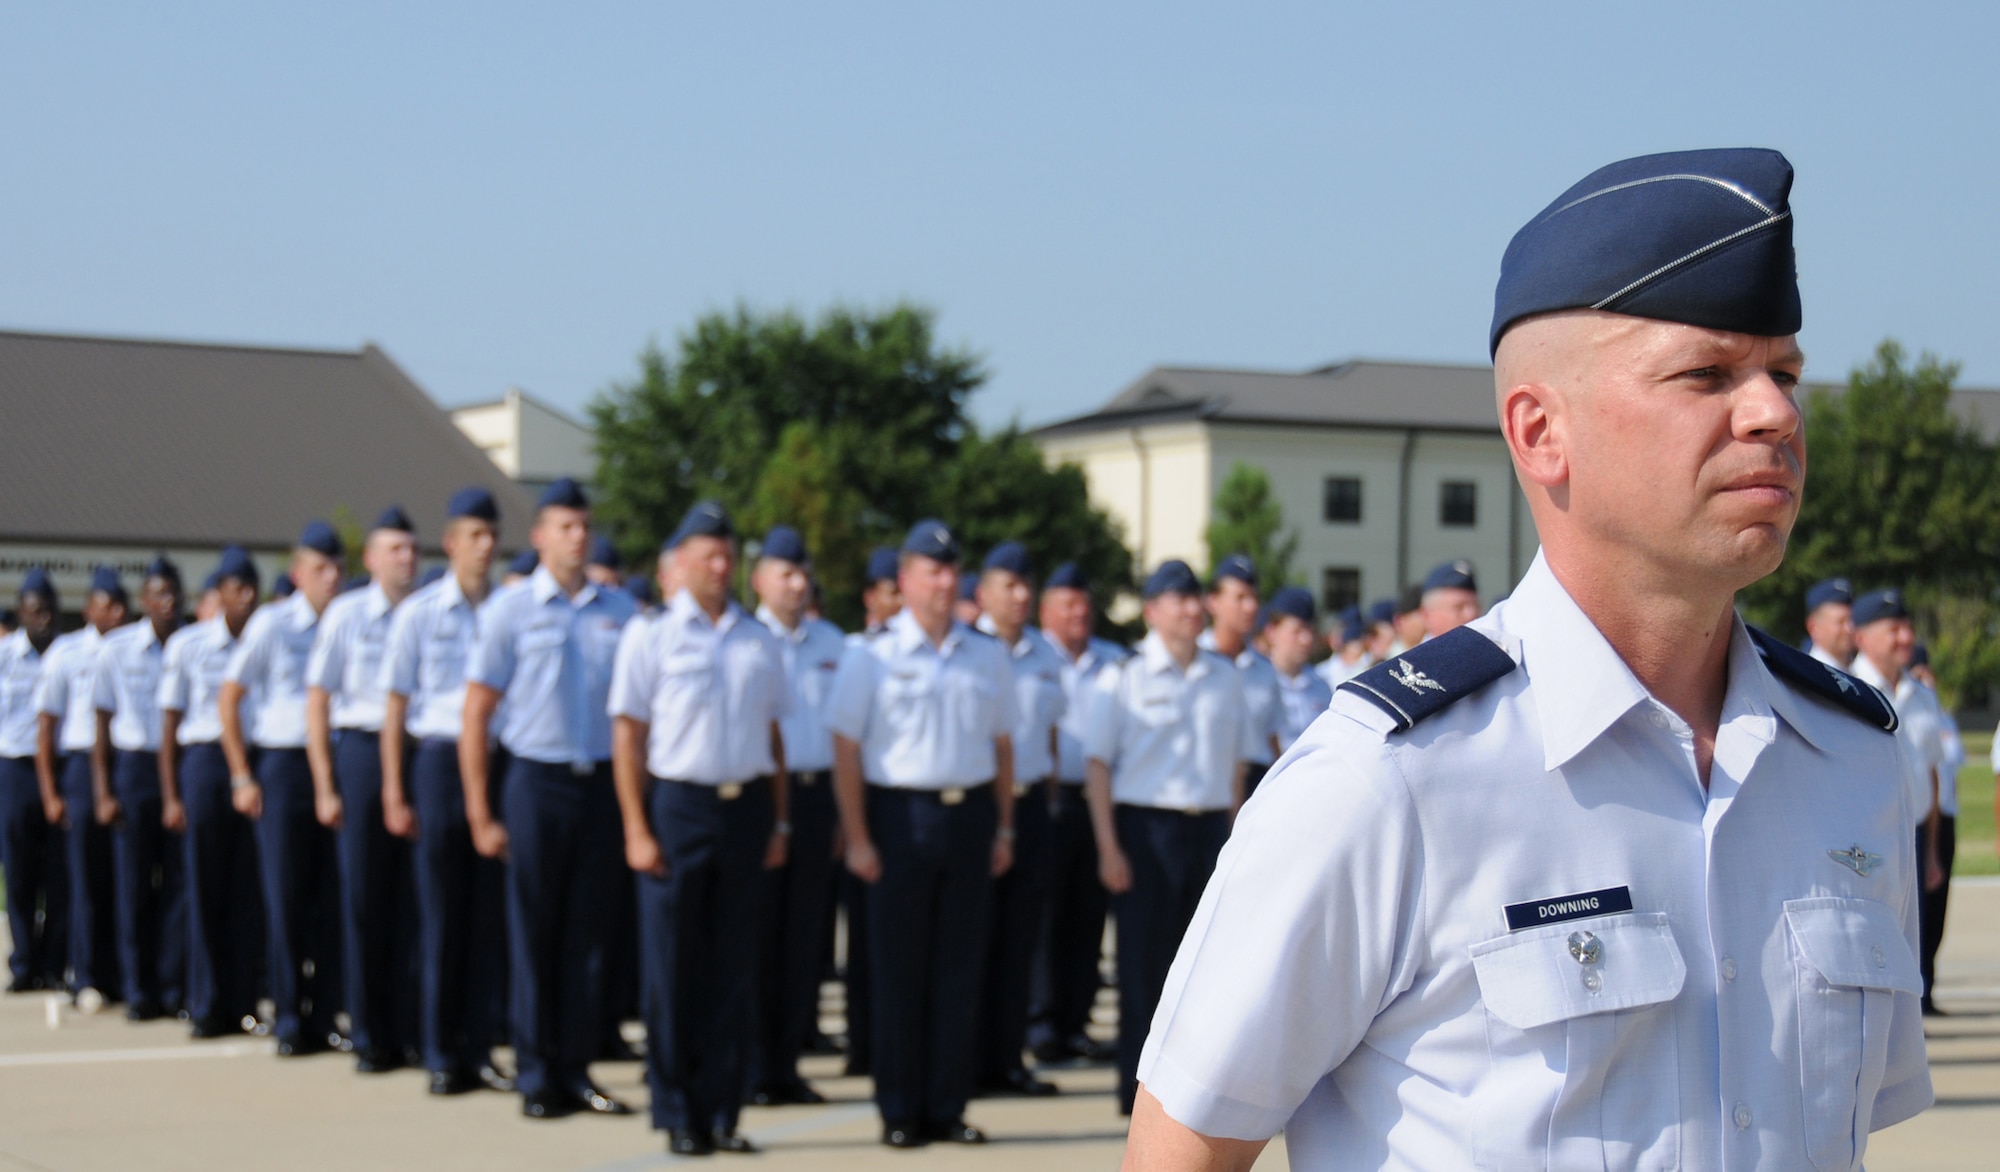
(1849, 960)
(1581, 1040)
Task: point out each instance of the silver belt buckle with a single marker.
(582, 768)
(729, 792)
(806, 779)
(952, 796)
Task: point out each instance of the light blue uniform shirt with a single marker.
(64, 689)
(1077, 674)
(270, 663)
(1260, 695)
(811, 653)
(550, 655)
(192, 670)
(925, 716)
(1171, 736)
(1301, 698)
(708, 692)
(429, 646)
(127, 685)
(1039, 701)
(347, 657)
(20, 671)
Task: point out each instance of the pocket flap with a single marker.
(1854, 942)
(1529, 978)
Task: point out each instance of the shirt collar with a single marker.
(374, 601)
(909, 635)
(1160, 661)
(683, 608)
(544, 586)
(1018, 647)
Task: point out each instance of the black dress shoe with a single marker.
(22, 985)
(142, 1011)
(904, 1135)
(213, 1029)
(548, 1104)
(299, 1047)
(730, 1141)
(1089, 1049)
(1020, 1082)
(452, 1082)
(617, 1049)
(378, 1062)
(494, 1079)
(958, 1131)
(802, 1093)
(590, 1098)
(686, 1141)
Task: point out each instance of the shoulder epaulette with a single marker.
(1431, 676)
(1826, 681)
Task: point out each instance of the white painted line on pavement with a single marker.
(157, 1054)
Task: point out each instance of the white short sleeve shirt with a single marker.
(1039, 702)
(708, 691)
(127, 685)
(192, 669)
(270, 663)
(811, 652)
(347, 656)
(69, 675)
(925, 715)
(1171, 736)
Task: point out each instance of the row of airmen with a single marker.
(413, 804)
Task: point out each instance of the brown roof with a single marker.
(114, 441)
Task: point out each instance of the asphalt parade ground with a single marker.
(81, 1092)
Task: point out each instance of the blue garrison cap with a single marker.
(322, 538)
(1700, 237)
(932, 539)
(784, 543)
(704, 519)
(104, 580)
(395, 518)
(1455, 575)
(1237, 566)
(283, 587)
(563, 494)
(1880, 604)
(1352, 628)
(37, 581)
(1173, 577)
(1382, 610)
(1295, 601)
(213, 580)
(1068, 576)
(524, 563)
(603, 553)
(429, 576)
(236, 563)
(1011, 557)
(1831, 590)
(881, 565)
(163, 567)
(968, 589)
(472, 502)
(640, 587)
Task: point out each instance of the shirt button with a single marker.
(1728, 968)
(1743, 1117)
(1592, 981)
(1659, 721)
(1881, 958)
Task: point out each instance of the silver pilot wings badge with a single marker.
(1856, 860)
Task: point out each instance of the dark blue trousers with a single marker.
(792, 951)
(225, 903)
(378, 905)
(152, 900)
(698, 947)
(301, 900)
(565, 853)
(1071, 945)
(36, 869)
(859, 988)
(1020, 898)
(927, 921)
(462, 920)
(93, 901)
(1172, 854)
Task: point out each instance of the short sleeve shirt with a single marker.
(926, 716)
(192, 669)
(20, 671)
(1172, 736)
(1078, 674)
(707, 690)
(69, 672)
(270, 663)
(127, 685)
(347, 655)
(1039, 701)
(425, 656)
(1260, 698)
(550, 655)
(1301, 699)
(811, 653)
(1920, 730)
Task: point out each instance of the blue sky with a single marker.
(525, 194)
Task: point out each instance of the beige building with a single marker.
(530, 441)
(1382, 469)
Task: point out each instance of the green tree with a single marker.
(1247, 519)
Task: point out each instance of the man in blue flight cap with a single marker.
(1450, 597)
(546, 644)
(521, 568)
(31, 848)
(1830, 622)
(1605, 876)
(273, 786)
(1349, 639)
(604, 567)
(1291, 629)
(1232, 604)
(881, 594)
(225, 908)
(461, 914)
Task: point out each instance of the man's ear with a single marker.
(1531, 419)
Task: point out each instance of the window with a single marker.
(1458, 503)
(1343, 498)
(1339, 588)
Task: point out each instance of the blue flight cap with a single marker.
(394, 518)
(1173, 577)
(1455, 575)
(1700, 237)
(1011, 557)
(640, 587)
(1352, 628)
(429, 576)
(1831, 590)
(237, 564)
(1295, 601)
(37, 581)
(1382, 610)
(784, 543)
(104, 580)
(472, 502)
(881, 565)
(1068, 576)
(704, 519)
(1880, 604)
(563, 494)
(932, 538)
(163, 566)
(322, 538)
(1920, 656)
(283, 587)
(603, 553)
(524, 563)
(968, 589)
(213, 580)
(1237, 566)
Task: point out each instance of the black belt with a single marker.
(727, 792)
(1195, 813)
(950, 795)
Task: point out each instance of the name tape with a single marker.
(1607, 902)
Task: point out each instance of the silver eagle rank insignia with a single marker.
(1413, 679)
